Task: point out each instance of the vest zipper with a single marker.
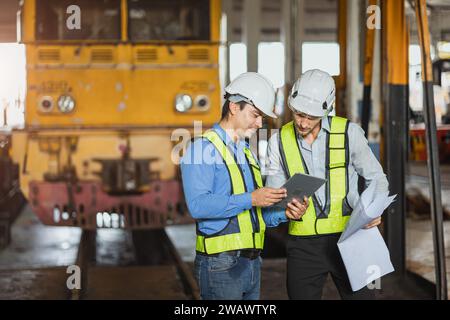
(315, 226)
(252, 215)
(252, 211)
(316, 202)
(254, 226)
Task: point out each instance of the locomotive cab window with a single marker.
(100, 20)
(169, 20)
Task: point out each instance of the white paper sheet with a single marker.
(364, 252)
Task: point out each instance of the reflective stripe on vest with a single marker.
(333, 219)
(246, 238)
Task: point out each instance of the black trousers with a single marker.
(309, 260)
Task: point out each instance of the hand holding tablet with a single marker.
(299, 186)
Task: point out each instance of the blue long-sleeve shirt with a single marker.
(207, 185)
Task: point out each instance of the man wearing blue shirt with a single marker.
(224, 192)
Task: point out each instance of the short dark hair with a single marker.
(226, 107)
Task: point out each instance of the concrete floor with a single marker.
(34, 266)
(38, 255)
(419, 241)
(35, 245)
(416, 182)
(419, 249)
(419, 257)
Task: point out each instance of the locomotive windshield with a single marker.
(168, 20)
(99, 20)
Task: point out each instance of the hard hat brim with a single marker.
(307, 107)
(236, 98)
(270, 114)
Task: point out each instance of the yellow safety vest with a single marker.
(247, 237)
(337, 211)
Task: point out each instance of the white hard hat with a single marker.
(313, 93)
(255, 89)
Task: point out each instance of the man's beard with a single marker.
(246, 133)
(306, 133)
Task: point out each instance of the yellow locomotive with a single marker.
(107, 83)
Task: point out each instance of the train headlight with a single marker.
(45, 104)
(66, 104)
(183, 102)
(202, 102)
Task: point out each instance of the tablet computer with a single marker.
(299, 186)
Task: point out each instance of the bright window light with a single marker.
(414, 55)
(223, 63)
(321, 55)
(271, 62)
(238, 59)
(443, 49)
(12, 83)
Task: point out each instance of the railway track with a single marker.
(156, 271)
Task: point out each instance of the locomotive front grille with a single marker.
(102, 56)
(146, 55)
(49, 55)
(198, 55)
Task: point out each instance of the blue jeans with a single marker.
(226, 277)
